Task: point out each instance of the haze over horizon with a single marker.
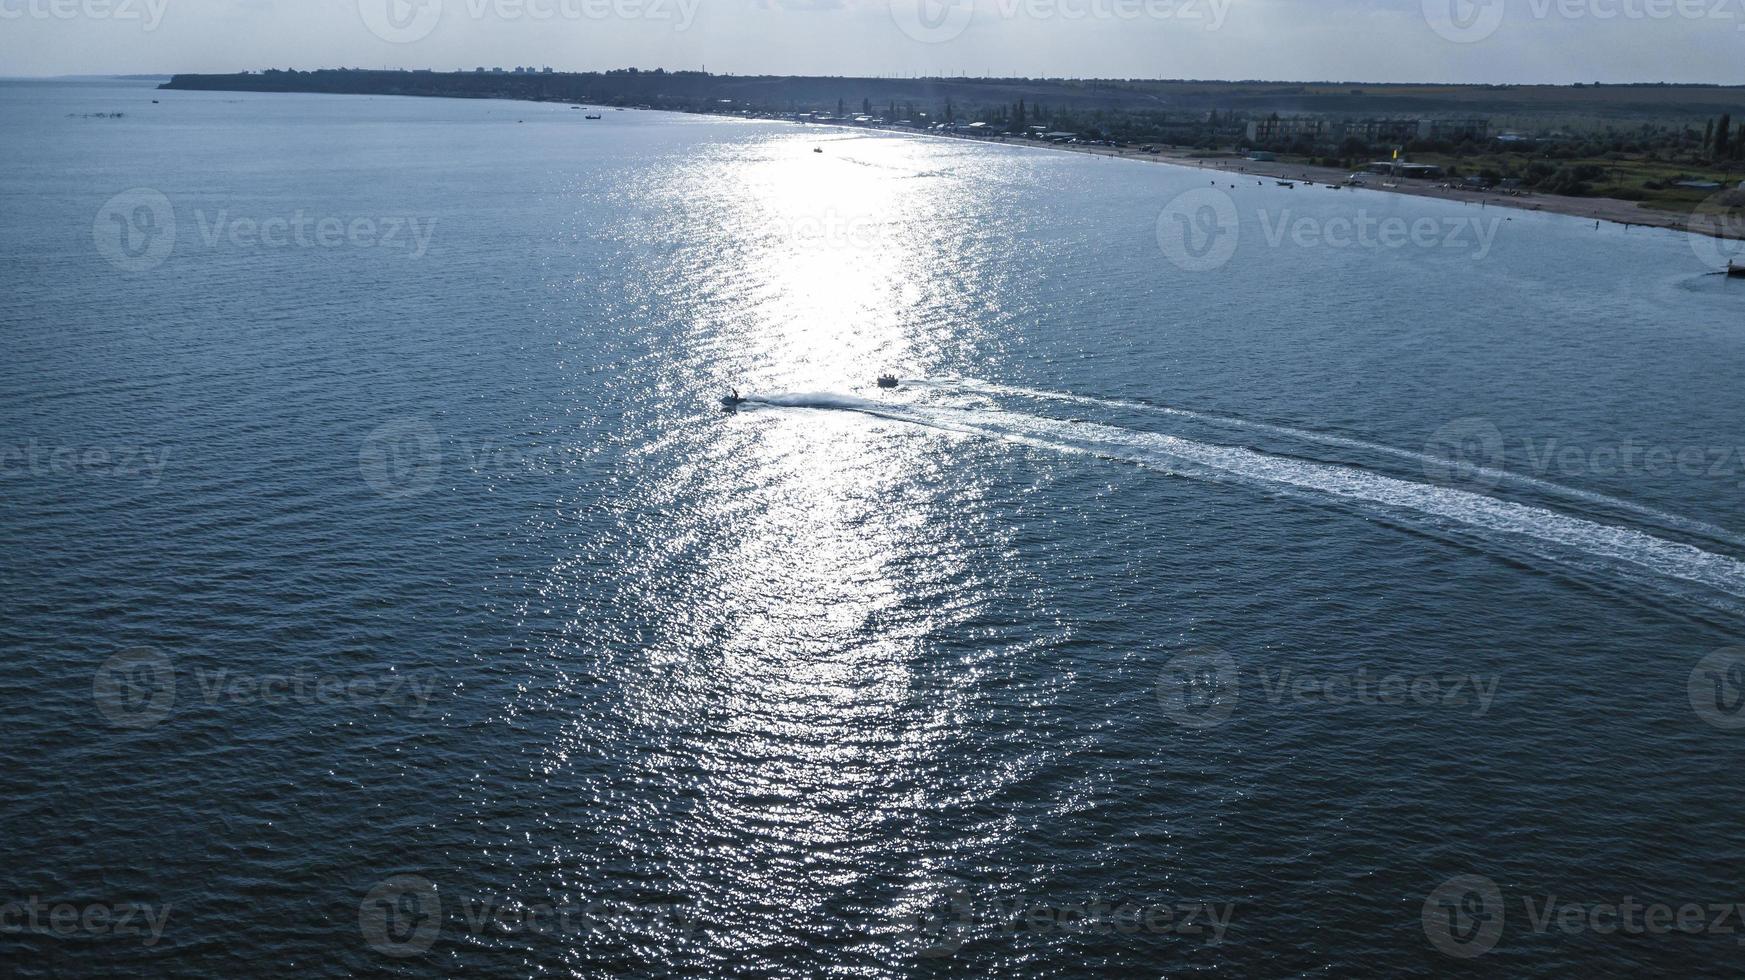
(1428, 41)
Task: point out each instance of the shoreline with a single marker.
(1606, 209)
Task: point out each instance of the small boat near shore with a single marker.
(1735, 270)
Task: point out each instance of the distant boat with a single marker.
(1735, 270)
(591, 117)
(817, 149)
(887, 381)
(1286, 183)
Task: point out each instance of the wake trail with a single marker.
(1663, 518)
(1186, 457)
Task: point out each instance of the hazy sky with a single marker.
(1363, 40)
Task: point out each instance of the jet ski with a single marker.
(732, 399)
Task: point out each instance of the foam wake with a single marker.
(1187, 457)
(1497, 476)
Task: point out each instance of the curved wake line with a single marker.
(1661, 517)
(1179, 456)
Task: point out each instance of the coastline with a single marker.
(1606, 209)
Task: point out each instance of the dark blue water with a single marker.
(384, 590)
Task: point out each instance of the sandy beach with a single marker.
(1596, 208)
